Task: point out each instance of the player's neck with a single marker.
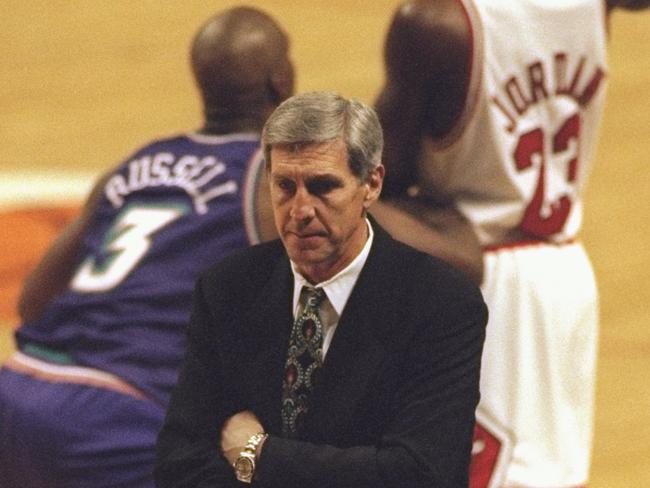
(246, 111)
(230, 126)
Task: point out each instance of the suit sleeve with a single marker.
(428, 442)
(187, 451)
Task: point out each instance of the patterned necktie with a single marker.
(304, 359)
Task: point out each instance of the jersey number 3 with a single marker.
(127, 242)
(530, 147)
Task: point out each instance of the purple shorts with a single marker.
(55, 433)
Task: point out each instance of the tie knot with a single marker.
(314, 297)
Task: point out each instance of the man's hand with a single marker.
(236, 432)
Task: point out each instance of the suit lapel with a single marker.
(357, 350)
(352, 361)
(269, 322)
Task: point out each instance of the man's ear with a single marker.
(373, 185)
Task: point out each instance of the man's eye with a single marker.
(321, 187)
(285, 185)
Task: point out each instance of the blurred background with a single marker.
(85, 83)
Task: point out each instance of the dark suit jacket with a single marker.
(395, 401)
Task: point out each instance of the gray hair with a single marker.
(318, 117)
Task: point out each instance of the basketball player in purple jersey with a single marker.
(104, 313)
(491, 109)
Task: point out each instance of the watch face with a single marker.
(244, 467)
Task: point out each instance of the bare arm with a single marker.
(427, 55)
(54, 271)
(263, 209)
(427, 58)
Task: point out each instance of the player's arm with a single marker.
(263, 209)
(427, 59)
(52, 274)
(426, 56)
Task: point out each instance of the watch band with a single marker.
(244, 465)
(255, 440)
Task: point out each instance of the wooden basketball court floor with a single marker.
(84, 83)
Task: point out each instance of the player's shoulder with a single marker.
(169, 143)
(436, 34)
(195, 142)
(163, 143)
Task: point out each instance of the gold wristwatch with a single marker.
(245, 464)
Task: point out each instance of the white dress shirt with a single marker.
(337, 289)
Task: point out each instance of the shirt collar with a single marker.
(339, 287)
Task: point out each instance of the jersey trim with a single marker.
(252, 178)
(526, 243)
(57, 373)
(223, 139)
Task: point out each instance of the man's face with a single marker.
(319, 206)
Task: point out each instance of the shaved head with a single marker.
(240, 60)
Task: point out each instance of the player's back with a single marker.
(520, 153)
(171, 209)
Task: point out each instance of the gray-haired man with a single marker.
(335, 356)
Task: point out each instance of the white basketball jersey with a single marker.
(521, 151)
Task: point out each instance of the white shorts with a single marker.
(535, 418)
